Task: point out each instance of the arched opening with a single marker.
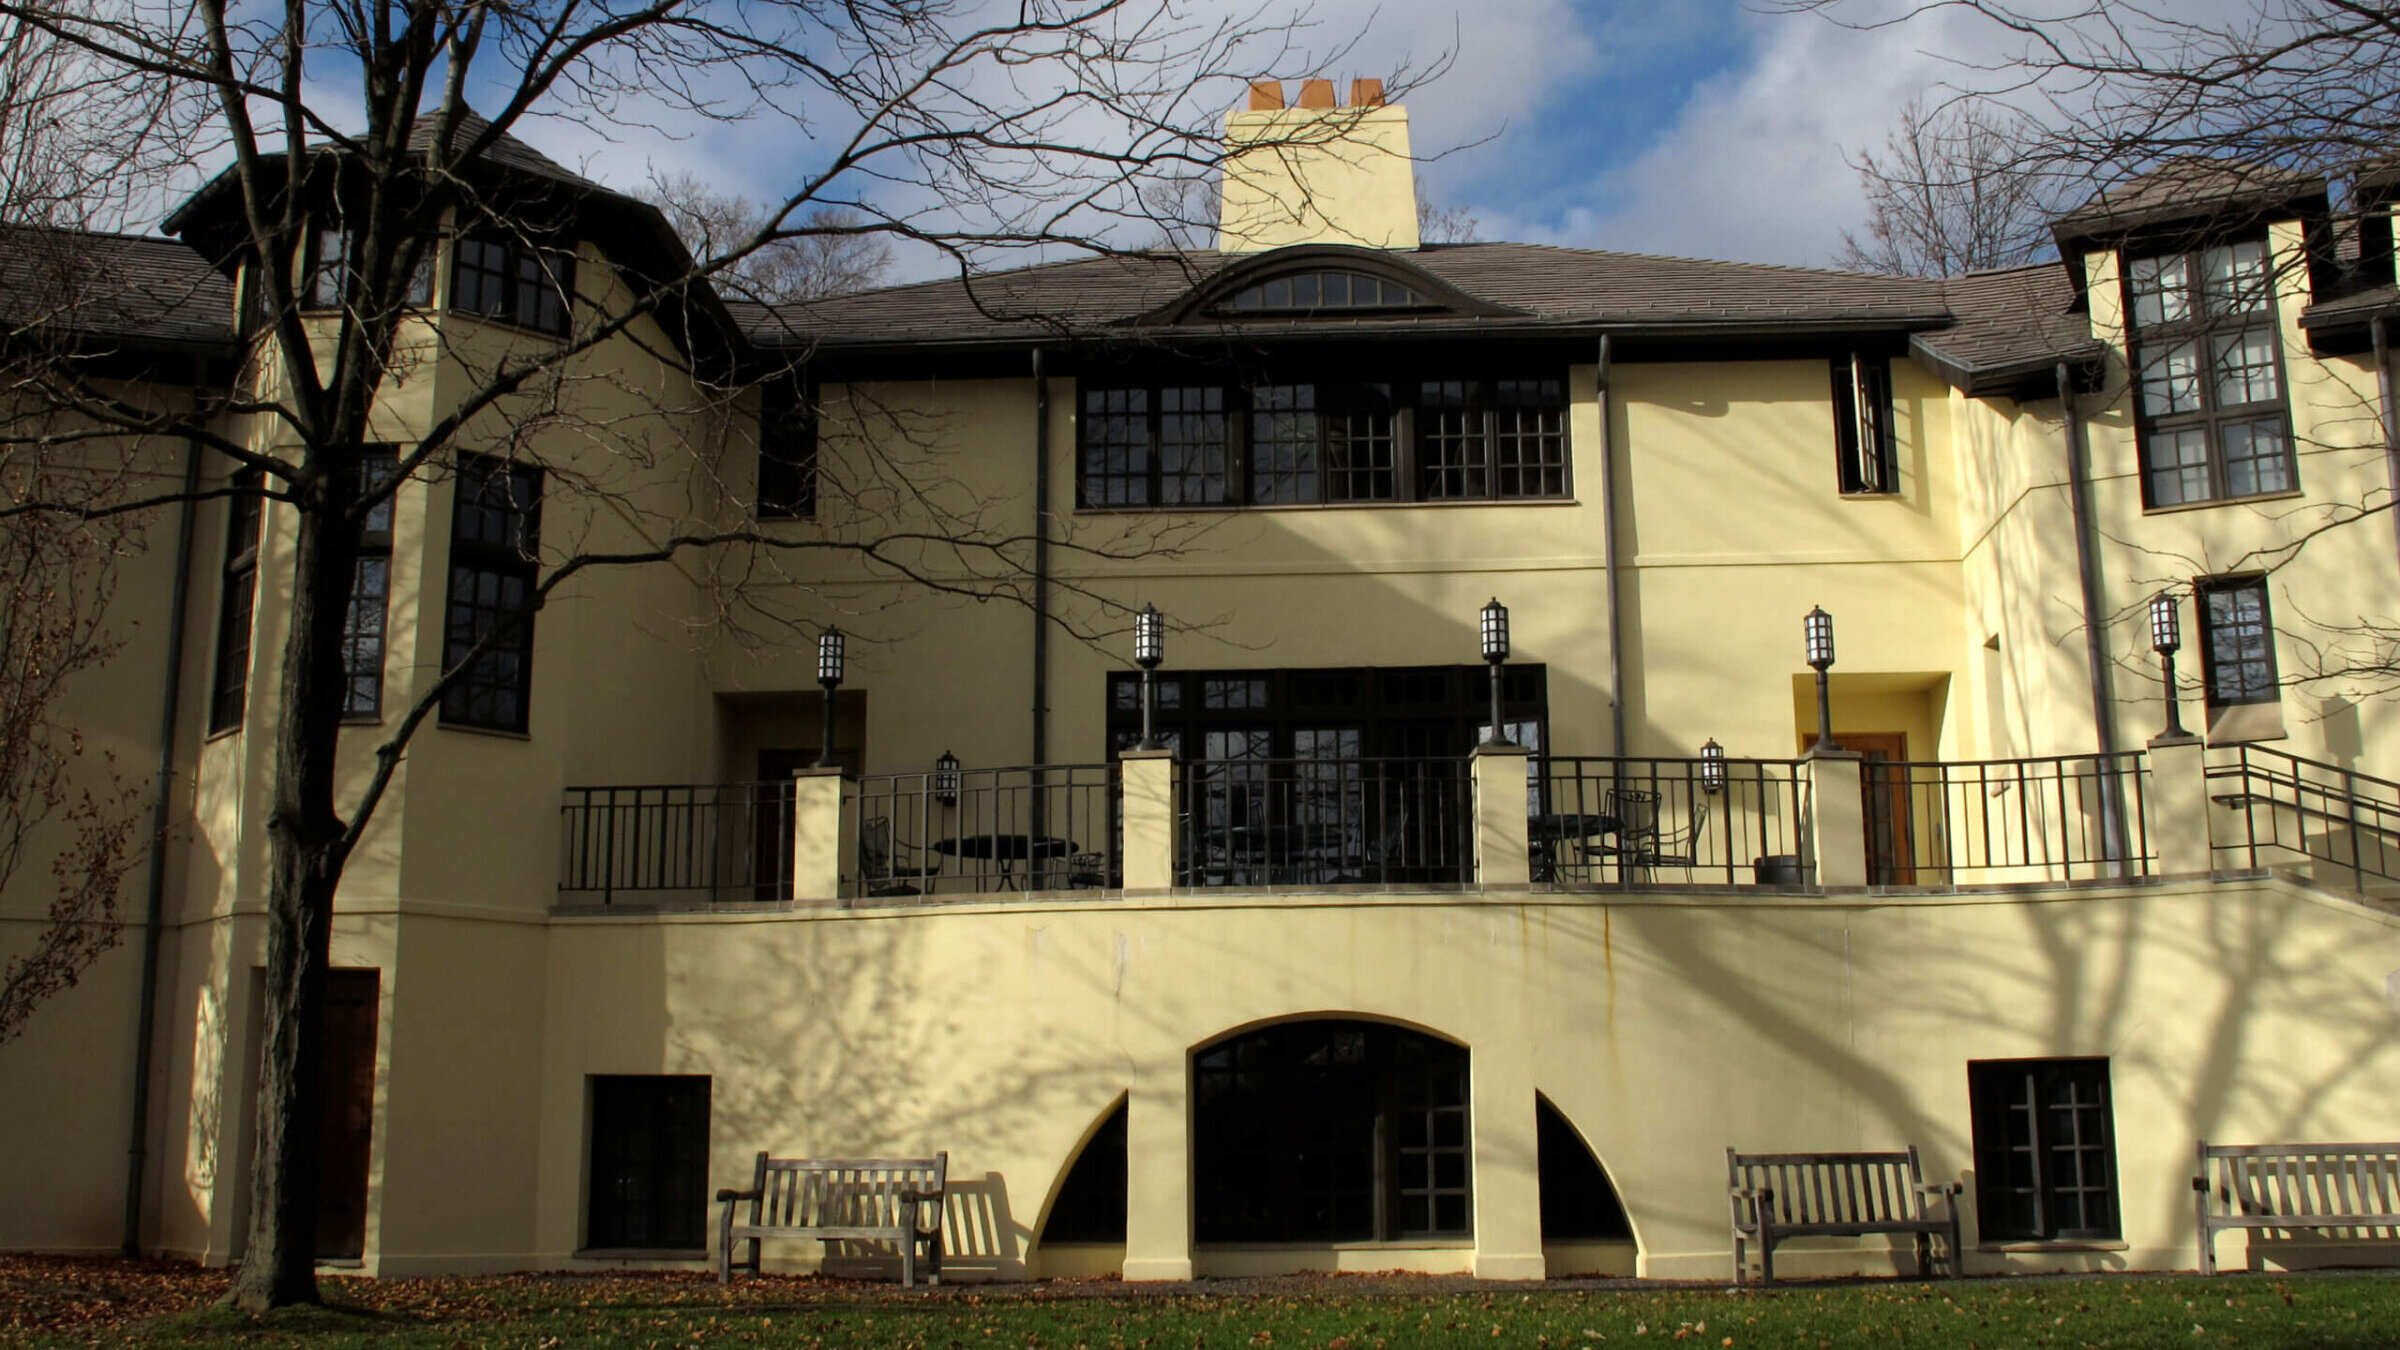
(1578, 1203)
(1330, 1130)
(1090, 1208)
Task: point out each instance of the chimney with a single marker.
(1317, 172)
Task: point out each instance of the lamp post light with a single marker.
(1712, 767)
(2166, 638)
(945, 779)
(1495, 651)
(829, 675)
(1149, 648)
(1819, 630)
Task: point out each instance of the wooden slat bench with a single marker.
(895, 1200)
(2340, 1190)
(1786, 1195)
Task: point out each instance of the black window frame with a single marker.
(321, 278)
(1311, 291)
(647, 1133)
(237, 601)
(366, 620)
(2043, 1111)
(2203, 328)
(1374, 1127)
(1322, 442)
(787, 452)
(1866, 446)
(496, 692)
(2251, 688)
(514, 281)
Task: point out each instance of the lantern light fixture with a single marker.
(829, 674)
(2166, 637)
(1817, 628)
(1495, 651)
(1149, 648)
(945, 779)
(1712, 767)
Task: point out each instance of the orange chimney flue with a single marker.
(1266, 95)
(1366, 93)
(1316, 93)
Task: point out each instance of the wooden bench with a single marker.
(1786, 1195)
(895, 1200)
(2325, 1188)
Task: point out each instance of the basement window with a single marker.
(648, 1188)
(2045, 1150)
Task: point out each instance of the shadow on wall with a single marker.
(843, 1061)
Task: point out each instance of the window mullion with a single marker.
(1404, 449)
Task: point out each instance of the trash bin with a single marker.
(1777, 869)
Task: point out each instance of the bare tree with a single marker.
(1951, 192)
(1439, 224)
(991, 132)
(840, 249)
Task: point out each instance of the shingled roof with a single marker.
(114, 287)
(2193, 187)
(1545, 287)
(2012, 328)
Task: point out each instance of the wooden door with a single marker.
(346, 1113)
(1891, 848)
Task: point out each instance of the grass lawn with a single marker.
(59, 1302)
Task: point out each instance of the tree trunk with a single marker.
(306, 855)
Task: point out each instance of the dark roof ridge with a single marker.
(1800, 268)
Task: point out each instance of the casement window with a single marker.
(514, 282)
(1277, 444)
(1868, 454)
(495, 533)
(2210, 407)
(370, 590)
(787, 453)
(2045, 1150)
(2237, 641)
(326, 279)
(237, 597)
(648, 1185)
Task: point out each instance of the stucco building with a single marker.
(1313, 990)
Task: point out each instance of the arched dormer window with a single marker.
(1305, 292)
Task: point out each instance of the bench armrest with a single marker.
(728, 1195)
(2200, 1184)
(1946, 1189)
(921, 1196)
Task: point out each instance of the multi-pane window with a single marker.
(2045, 1149)
(513, 281)
(787, 453)
(1305, 443)
(1331, 1131)
(237, 596)
(2237, 641)
(1866, 450)
(1308, 291)
(488, 632)
(370, 589)
(648, 1188)
(327, 280)
(2209, 376)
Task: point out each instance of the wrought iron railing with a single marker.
(2274, 807)
(659, 843)
(1649, 822)
(984, 831)
(1324, 822)
(2059, 818)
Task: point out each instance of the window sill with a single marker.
(1230, 508)
(222, 734)
(373, 719)
(498, 733)
(640, 1254)
(2181, 507)
(511, 325)
(2060, 1245)
(1892, 496)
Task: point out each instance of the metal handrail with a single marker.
(2356, 816)
(1668, 822)
(1955, 822)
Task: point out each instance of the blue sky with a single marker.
(1694, 127)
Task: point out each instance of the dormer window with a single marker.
(2208, 367)
(1311, 292)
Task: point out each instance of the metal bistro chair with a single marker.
(1639, 842)
(888, 869)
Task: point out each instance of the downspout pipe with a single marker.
(145, 1047)
(2095, 632)
(1608, 551)
(2381, 328)
(1041, 564)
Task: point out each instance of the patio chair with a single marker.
(886, 868)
